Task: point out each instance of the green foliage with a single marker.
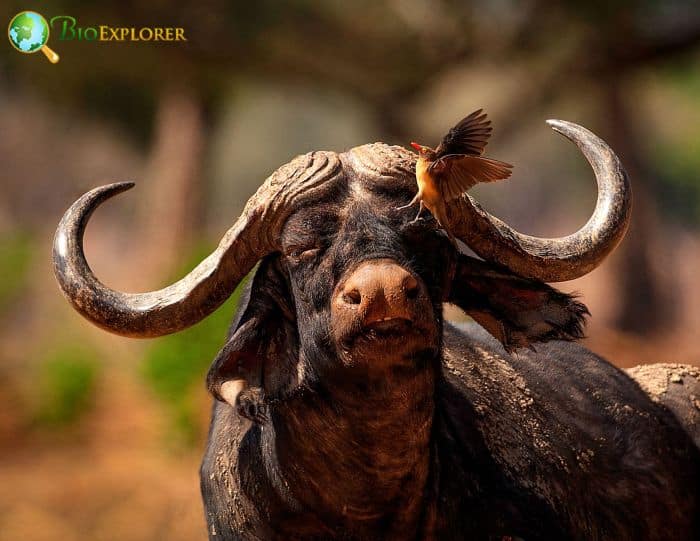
(66, 386)
(682, 75)
(678, 154)
(680, 197)
(175, 366)
(15, 257)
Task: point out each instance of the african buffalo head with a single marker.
(347, 283)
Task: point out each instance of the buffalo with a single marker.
(347, 409)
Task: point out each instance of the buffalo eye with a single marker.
(303, 254)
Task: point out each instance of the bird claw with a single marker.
(405, 206)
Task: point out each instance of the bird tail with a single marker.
(440, 214)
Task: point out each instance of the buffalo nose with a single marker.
(381, 290)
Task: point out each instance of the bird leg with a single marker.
(420, 209)
(413, 202)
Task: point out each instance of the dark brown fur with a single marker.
(359, 426)
(448, 437)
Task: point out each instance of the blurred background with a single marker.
(101, 436)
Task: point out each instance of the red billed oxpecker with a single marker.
(457, 164)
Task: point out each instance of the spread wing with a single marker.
(469, 136)
(457, 173)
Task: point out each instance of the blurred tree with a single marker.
(398, 49)
(171, 203)
(175, 366)
(388, 54)
(616, 41)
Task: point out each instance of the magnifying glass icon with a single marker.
(29, 32)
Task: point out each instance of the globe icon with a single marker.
(29, 32)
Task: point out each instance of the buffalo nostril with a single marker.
(352, 297)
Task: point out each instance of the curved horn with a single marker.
(559, 259)
(184, 303)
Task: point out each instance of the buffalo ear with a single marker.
(260, 342)
(517, 311)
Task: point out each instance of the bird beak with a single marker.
(416, 146)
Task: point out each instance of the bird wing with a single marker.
(457, 173)
(469, 136)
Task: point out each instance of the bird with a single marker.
(446, 172)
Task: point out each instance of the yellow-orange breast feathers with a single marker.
(427, 184)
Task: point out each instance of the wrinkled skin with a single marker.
(428, 431)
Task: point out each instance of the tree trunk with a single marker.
(172, 193)
(647, 300)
